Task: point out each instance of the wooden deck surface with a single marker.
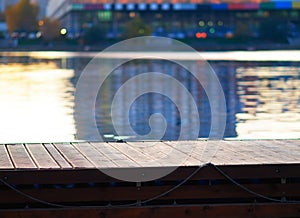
(245, 179)
(147, 154)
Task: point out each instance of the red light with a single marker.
(201, 35)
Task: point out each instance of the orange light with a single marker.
(201, 35)
(41, 23)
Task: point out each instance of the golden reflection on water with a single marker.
(36, 103)
(270, 98)
(37, 95)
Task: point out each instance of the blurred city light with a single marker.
(201, 35)
(220, 23)
(41, 23)
(212, 30)
(201, 23)
(131, 14)
(38, 35)
(63, 31)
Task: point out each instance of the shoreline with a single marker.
(199, 46)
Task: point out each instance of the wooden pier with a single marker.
(258, 178)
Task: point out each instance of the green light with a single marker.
(212, 30)
(141, 31)
(104, 15)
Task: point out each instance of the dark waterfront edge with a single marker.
(199, 46)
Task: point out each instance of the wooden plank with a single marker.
(234, 155)
(271, 149)
(212, 151)
(193, 148)
(116, 156)
(163, 154)
(5, 162)
(20, 157)
(154, 154)
(60, 160)
(141, 154)
(53, 176)
(41, 156)
(178, 153)
(253, 150)
(74, 157)
(94, 156)
(149, 154)
(131, 153)
(148, 149)
(293, 146)
(293, 142)
(66, 176)
(224, 193)
(289, 148)
(208, 151)
(270, 210)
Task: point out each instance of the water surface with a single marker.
(262, 91)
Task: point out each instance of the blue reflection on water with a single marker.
(263, 98)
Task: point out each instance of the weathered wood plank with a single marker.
(270, 210)
(20, 157)
(186, 192)
(137, 156)
(74, 157)
(263, 171)
(94, 155)
(289, 148)
(179, 154)
(117, 157)
(5, 162)
(41, 156)
(251, 149)
(161, 154)
(149, 154)
(60, 160)
(271, 148)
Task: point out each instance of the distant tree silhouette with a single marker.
(50, 29)
(136, 27)
(22, 16)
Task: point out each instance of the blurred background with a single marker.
(203, 24)
(252, 46)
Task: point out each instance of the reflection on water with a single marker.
(37, 98)
(36, 103)
(172, 104)
(269, 102)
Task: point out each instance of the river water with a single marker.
(261, 89)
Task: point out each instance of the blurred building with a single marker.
(178, 18)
